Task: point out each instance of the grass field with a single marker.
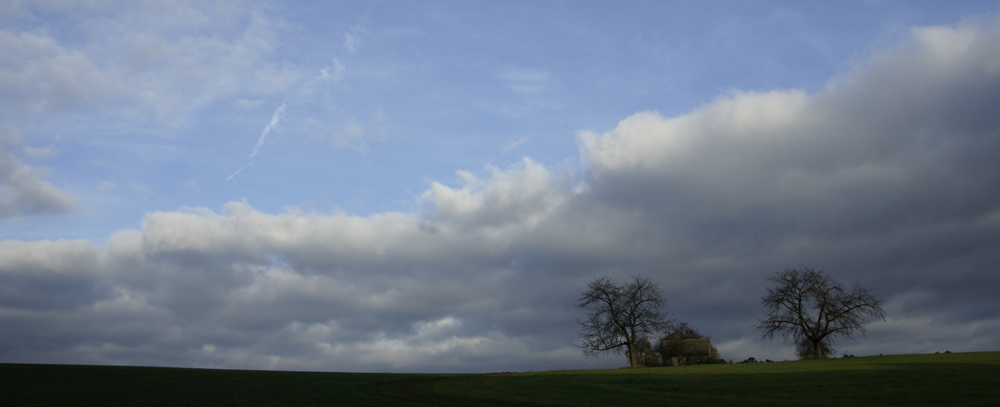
(966, 379)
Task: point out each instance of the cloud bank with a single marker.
(887, 176)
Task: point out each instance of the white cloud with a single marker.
(106, 186)
(39, 152)
(349, 132)
(525, 80)
(351, 42)
(248, 103)
(895, 134)
(139, 63)
(517, 143)
(40, 75)
(520, 195)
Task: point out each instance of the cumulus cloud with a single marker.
(885, 177)
(508, 197)
(359, 293)
(902, 143)
(872, 177)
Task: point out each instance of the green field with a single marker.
(966, 379)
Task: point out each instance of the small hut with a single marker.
(677, 352)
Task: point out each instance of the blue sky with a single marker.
(427, 186)
(416, 92)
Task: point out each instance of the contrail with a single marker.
(275, 118)
(239, 170)
(305, 91)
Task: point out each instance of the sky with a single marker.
(401, 186)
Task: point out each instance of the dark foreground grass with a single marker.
(62, 385)
(966, 379)
(909, 380)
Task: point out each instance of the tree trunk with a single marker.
(632, 361)
(819, 350)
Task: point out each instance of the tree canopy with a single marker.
(815, 311)
(620, 317)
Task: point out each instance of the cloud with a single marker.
(525, 80)
(40, 75)
(894, 144)
(137, 64)
(39, 152)
(522, 194)
(275, 119)
(23, 191)
(517, 143)
(351, 42)
(106, 186)
(358, 292)
(308, 92)
(885, 177)
(353, 134)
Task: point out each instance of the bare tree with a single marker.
(815, 311)
(620, 317)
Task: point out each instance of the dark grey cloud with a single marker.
(884, 177)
